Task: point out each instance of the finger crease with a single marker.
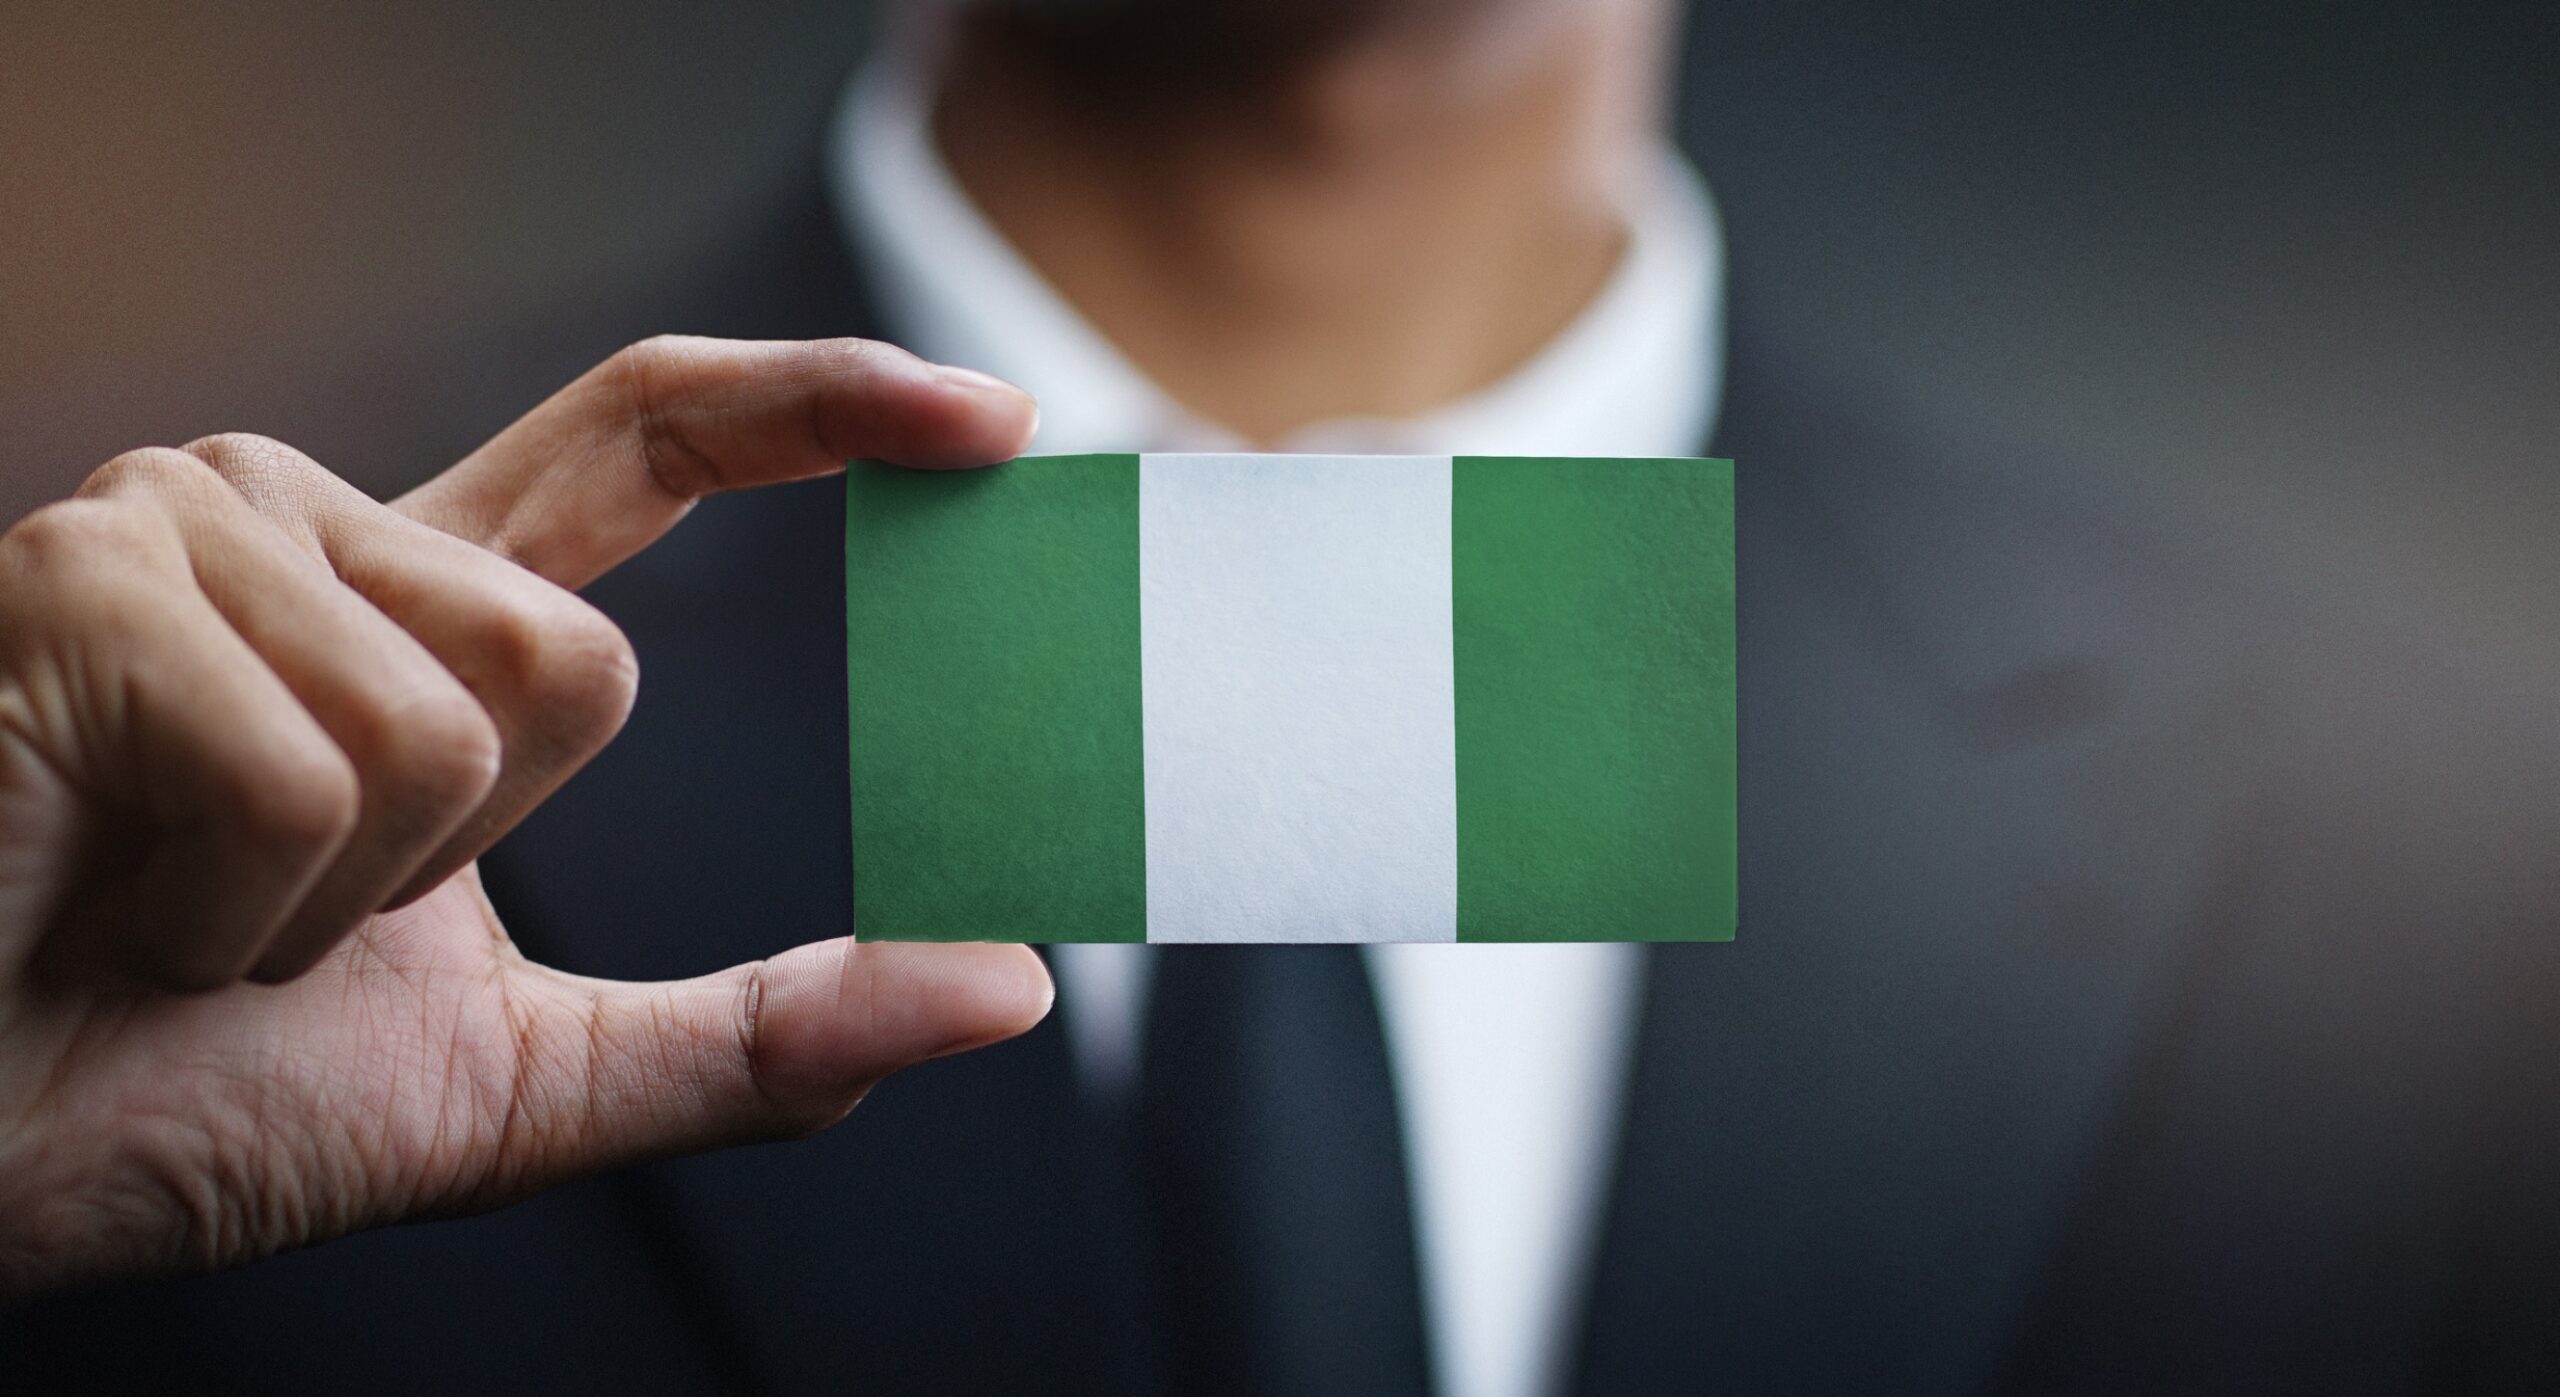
(751, 1032)
(672, 464)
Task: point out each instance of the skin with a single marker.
(1295, 211)
(254, 729)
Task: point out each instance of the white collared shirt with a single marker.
(1510, 1060)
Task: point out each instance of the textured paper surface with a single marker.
(992, 630)
(1595, 667)
(1301, 747)
(1293, 698)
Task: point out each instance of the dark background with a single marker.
(2286, 269)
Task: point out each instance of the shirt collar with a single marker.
(1636, 374)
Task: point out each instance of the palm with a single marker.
(257, 1117)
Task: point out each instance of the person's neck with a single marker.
(1375, 238)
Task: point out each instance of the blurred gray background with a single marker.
(2286, 270)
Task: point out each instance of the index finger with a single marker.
(611, 462)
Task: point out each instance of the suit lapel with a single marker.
(1845, 1131)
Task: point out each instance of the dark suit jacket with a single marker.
(2138, 985)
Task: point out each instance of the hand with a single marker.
(255, 727)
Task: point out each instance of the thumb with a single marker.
(614, 1073)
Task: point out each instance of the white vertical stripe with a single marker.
(1301, 736)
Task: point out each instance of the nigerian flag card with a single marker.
(1293, 698)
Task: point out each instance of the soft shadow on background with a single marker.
(2292, 271)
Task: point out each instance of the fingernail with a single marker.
(975, 381)
(1007, 991)
(988, 386)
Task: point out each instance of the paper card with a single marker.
(1249, 698)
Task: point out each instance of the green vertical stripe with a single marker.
(998, 772)
(1593, 627)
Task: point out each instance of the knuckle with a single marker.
(657, 352)
(95, 569)
(571, 671)
(440, 747)
(155, 471)
(641, 372)
(302, 803)
(69, 529)
(88, 545)
(263, 469)
(226, 452)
